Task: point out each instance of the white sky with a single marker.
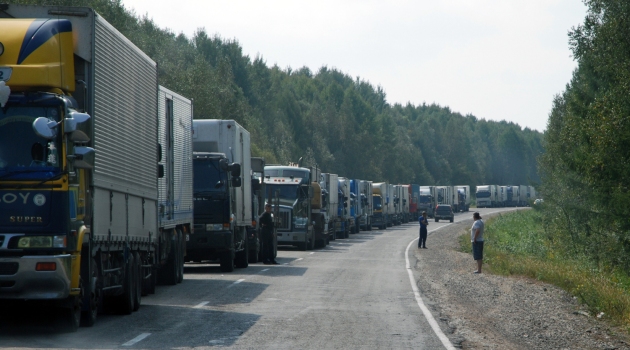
(494, 59)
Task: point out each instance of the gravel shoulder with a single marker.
(485, 311)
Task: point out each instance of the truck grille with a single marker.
(285, 220)
(8, 268)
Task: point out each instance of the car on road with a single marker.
(444, 211)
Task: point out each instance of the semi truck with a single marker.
(222, 194)
(391, 207)
(175, 180)
(463, 197)
(427, 200)
(405, 200)
(330, 202)
(85, 226)
(487, 196)
(367, 208)
(414, 196)
(379, 203)
(347, 220)
(296, 196)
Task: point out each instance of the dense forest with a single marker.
(342, 124)
(586, 167)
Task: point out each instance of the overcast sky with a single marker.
(494, 59)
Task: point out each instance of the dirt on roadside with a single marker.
(485, 311)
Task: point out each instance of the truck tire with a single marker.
(227, 262)
(137, 281)
(437, 220)
(126, 302)
(242, 260)
(169, 272)
(452, 218)
(92, 297)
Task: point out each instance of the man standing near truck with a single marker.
(266, 223)
(476, 238)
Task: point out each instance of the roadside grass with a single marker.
(516, 244)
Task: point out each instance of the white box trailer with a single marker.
(367, 204)
(463, 197)
(487, 196)
(330, 183)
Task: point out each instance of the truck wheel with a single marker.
(437, 220)
(242, 260)
(169, 275)
(137, 280)
(451, 219)
(369, 226)
(92, 296)
(126, 301)
(227, 262)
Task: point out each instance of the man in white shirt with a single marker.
(476, 238)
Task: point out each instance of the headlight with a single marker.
(42, 242)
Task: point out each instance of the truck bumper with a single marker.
(20, 280)
(206, 245)
(291, 238)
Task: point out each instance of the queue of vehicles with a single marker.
(110, 185)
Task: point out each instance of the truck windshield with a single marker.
(23, 154)
(376, 201)
(483, 194)
(208, 177)
(287, 194)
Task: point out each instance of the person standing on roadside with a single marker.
(476, 238)
(422, 242)
(266, 224)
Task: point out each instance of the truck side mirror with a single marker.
(160, 171)
(236, 181)
(235, 169)
(83, 157)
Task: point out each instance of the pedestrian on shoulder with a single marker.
(266, 225)
(422, 242)
(476, 238)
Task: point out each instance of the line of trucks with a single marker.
(108, 186)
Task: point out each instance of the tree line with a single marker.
(586, 167)
(342, 124)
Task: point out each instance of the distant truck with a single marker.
(367, 209)
(414, 197)
(427, 200)
(379, 198)
(222, 193)
(463, 197)
(487, 196)
(330, 203)
(86, 224)
(291, 189)
(405, 201)
(344, 210)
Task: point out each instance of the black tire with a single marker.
(227, 262)
(437, 220)
(369, 226)
(451, 220)
(92, 296)
(169, 272)
(242, 260)
(139, 277)
(126, 301)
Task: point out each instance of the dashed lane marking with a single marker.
(136, 339)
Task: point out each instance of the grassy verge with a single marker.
(517, 244)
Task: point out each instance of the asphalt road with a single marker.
(355, 293)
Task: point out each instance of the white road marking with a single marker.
(201, 304)
(299, 259)
(263, 270)
(427, 314)
(136, 339)
(236, 282)
(311, 253)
